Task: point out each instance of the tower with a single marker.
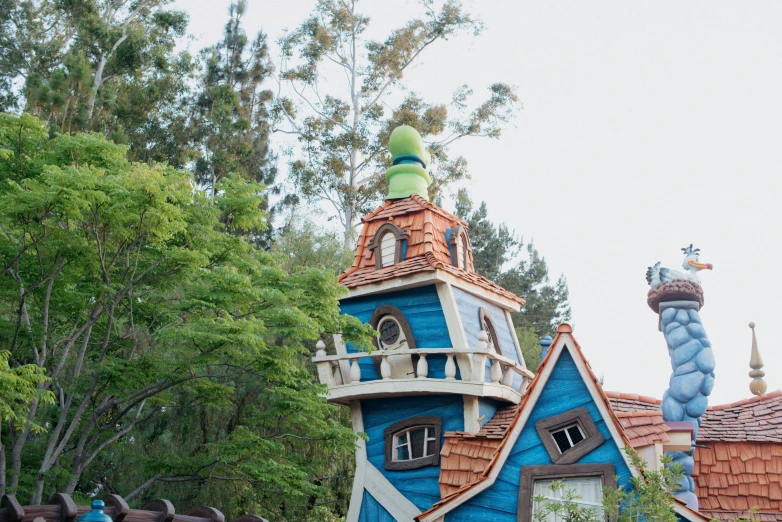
(446, 356)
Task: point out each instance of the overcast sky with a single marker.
(646, 126)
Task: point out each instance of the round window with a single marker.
(389, 332)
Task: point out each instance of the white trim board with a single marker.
(431, 276)
(388, 496)
(357, 494)
(401, 387)
(563, 341)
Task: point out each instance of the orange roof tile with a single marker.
(644, 428)
(758, 419)
(465, 457)
(427, 248)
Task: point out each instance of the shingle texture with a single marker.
(758, 419)
(644, 428)
(464, 457)
(427, 247)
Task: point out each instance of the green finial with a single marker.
(408, 175)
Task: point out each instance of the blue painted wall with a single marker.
(564, 391)
(487, 408)
(372, 511)
(423, 311)
(421, 486)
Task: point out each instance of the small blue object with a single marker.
(545, 343)
(97, 514)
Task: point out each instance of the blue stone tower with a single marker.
(677, 297)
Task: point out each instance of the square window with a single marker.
(587, 493)
(413, 443)
(569, 436)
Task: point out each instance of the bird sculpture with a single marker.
(657, 274)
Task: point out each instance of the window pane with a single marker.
(402, 453)
(589, 489)
(561, 439)
(389, 332)
(387, 249)
(575, 434)
(417, 437)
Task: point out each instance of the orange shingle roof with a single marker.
(644, 428)
(427, 248)
(758, 419)
(630, 402)
(732, 476)
(466, 456)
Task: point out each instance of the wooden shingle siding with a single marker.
(420, 486)
(372, 511)
(424, 313)
(564, 391)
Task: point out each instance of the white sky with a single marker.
(646, 126)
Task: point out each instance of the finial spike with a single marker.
(757, 386)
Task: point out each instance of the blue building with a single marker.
(458, 428)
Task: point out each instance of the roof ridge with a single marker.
(757, 398)
(641, 413)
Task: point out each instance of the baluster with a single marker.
(479, 357)
(422, 368)
(324, 368)
(507, 376)
(338, 381)
(450, 368)
(385, 368)
(355, 372)
(496, 371)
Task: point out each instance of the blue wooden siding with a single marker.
(421, 486)
(423, 311)
(487, 408)
(564, 391)
(468, 306)
(372, 511)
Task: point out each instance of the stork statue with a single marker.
(677, 297)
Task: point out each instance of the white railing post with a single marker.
(324, 368)
(385, 368)
(422, 368)
(496, 371)
(355, 372)
(479, 357)
(338, 380)
(507, 376)
(450, 368)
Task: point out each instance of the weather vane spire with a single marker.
(757, 386)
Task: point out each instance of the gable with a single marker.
(563, 391)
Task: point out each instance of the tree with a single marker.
(146, 303)
(231, 122)
(342, 130)
(105, 65)
(497, 254)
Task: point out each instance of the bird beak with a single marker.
(700, 266)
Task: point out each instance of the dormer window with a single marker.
(459, 244)
(388, 245)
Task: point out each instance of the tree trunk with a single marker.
(96, 81)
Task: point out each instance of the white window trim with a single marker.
(429, 436)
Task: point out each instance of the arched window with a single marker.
(484, 319)
(394, 335)
(460, 247)
(388, 245)
(413, 443)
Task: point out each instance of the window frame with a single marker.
(435, 423)
(592, 437)
(374, 245)
(459, 234)
(384, 310)
(529, 474)
(485, 317)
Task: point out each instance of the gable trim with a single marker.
(563, 341)
(397, 505)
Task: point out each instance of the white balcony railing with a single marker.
(339, 372)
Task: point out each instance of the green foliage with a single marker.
(301, 244)
(343, 128)
(19, 387)
(649, 496)
(530, 346)
(497, 254)
(179, 350)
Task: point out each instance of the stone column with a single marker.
(677, 303)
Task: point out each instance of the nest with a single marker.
(679, 290)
